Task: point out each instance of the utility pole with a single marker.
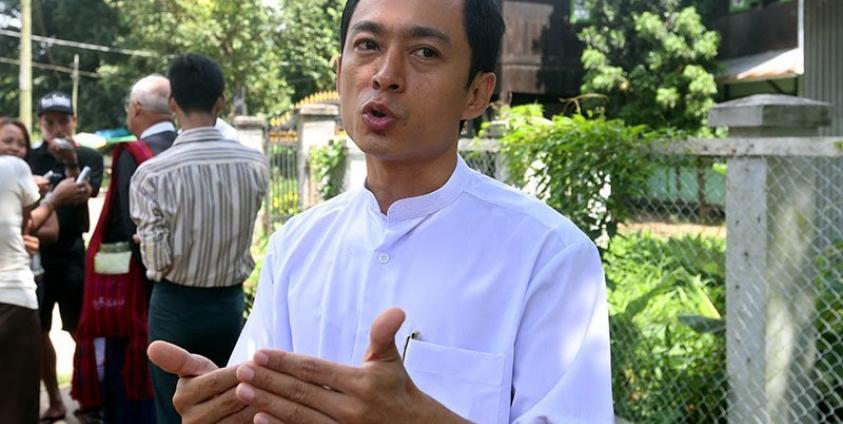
(25, 76)
(75, 77)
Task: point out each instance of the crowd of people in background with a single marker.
(104, 290)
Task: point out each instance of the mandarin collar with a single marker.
(426, 204)
(198, 135)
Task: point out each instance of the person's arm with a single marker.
(30, 243)
(561, 369)
(66, 192)
(95, 162)
(48, 231)
(153, 234)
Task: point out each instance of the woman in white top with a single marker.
(19, 367)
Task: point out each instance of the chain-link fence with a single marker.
(678, 355)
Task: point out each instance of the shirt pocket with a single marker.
(465, 381)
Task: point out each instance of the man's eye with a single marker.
(366, 45)
(426, 52)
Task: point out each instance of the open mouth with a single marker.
(378, 117)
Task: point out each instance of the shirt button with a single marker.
(383, 258)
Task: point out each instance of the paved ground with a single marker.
(62, 341)
(64, 358)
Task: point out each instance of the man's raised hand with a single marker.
(290, 388)
(205, 393)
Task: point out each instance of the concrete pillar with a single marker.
(771, 209)
(252, 131)
(316, 126)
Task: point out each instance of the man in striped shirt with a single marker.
(195, 207)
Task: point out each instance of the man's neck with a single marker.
(192, 120)
(391, 181)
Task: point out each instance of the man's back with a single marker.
(195, 205)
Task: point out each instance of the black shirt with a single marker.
(73, 219)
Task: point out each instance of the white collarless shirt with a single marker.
(506, 295)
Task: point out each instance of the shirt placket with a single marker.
(383, 275)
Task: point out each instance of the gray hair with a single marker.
(153, 93)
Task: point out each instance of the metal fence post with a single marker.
(317, 125)
(770, 294)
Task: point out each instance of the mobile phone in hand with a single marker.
(84, 176)
(63, 143)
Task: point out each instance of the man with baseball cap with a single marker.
(63, 261)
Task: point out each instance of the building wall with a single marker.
(824, 56)
(824, 81)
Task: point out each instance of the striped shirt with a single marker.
(195, 206)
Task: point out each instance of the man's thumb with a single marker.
(178, 361)
(382, 336)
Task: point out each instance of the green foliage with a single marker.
(239, 35)
(250, 287)
(653, 59)
(307, 43)
(328, 166)
(91, 21)
(574, 160)
(666, 301)
(829, 324)
(284, 186)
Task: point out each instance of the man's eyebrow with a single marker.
(368, 26)
(427, 32)
(415, 32)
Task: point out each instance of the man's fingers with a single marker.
(309, 369)
(178, 361)
(264, 418)
(214, 410)
(328, 402)
(382, 336)
(244, 416)
(278, 407)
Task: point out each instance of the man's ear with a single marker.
(219, 105)
(479, 95)
(174, 107)
(338, 71)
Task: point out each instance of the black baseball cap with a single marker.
(55, 101)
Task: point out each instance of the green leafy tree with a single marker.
(308, 43)
(89, 21)
(239, 35)
(654, 61)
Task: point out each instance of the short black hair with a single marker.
(196, 82)
(484, 28)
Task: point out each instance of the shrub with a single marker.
(586, 168)
(666, 299)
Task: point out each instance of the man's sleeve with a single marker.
(562, 370)
(96, 164)
(268, 326)
(156, 251)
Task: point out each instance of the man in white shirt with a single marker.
(432, 294)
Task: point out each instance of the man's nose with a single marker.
(390, 73)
